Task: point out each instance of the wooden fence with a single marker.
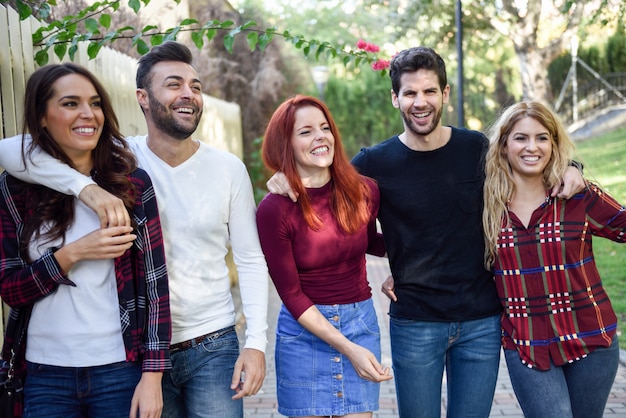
(220, 125)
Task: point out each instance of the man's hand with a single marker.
(388, 287)
(147, 400)
(109, 208)
(573, 182)
(278, 184)
(249, 373)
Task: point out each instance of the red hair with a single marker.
(350, 195)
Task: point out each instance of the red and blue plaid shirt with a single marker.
(140, 273)
(555, 307)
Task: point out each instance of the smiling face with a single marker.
(74, 117)
(528, 148)
(313, 145)
(173, 101)
(420, 101)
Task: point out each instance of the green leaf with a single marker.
(253, 39)
(226, 24)
(234, 31)
(196, 37)
(171, 34)
(60, 50)
(72, 51)
(92, 25)
(248, 24)
(37, 36)
(156, 39)
(264, 39)
(93, 49)
(229, 40)
(44, 11)
(320, 49)
(135, 5)
(212, 23)
(50, 42)
(210, 34)
(142, 47)
(148, 28)
(41, 57)
(105, 20)
(23, 9)
(187, 22)
(128, 28)
(109, 37)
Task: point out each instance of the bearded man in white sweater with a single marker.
(206, 204)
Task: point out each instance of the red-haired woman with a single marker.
(327, 337)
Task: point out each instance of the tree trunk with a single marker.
(534, 71)
(522, 27)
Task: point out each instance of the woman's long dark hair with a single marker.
(112, 159)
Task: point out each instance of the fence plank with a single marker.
(19, 68)
(5, 62)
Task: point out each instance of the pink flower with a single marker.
(380, 65)
(367, 46)
(372, 48)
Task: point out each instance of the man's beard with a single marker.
(166, 122)
(422, 131)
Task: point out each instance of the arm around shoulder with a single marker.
(41, 168)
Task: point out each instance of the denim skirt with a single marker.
(312, 378)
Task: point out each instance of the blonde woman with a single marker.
(558, 326)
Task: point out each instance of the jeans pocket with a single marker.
(224, 343)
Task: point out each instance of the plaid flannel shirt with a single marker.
(555, 307)
(140, 274)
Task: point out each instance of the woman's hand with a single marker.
(366, 365)
(100, 244)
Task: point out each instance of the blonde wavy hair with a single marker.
(499, 186)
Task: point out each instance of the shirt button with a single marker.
(340, 394)
(339, 376)
(336, 359)
(336, 318)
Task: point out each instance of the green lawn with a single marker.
(604, 158)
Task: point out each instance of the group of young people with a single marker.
(488, 240)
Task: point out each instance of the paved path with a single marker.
(263, 405)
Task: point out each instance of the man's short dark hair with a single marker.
(168, 51)
(413, 59)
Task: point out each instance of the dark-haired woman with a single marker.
(95, 300)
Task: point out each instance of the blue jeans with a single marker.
(199, 383)
(579, 389)
(73, 392)
(470, 353)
